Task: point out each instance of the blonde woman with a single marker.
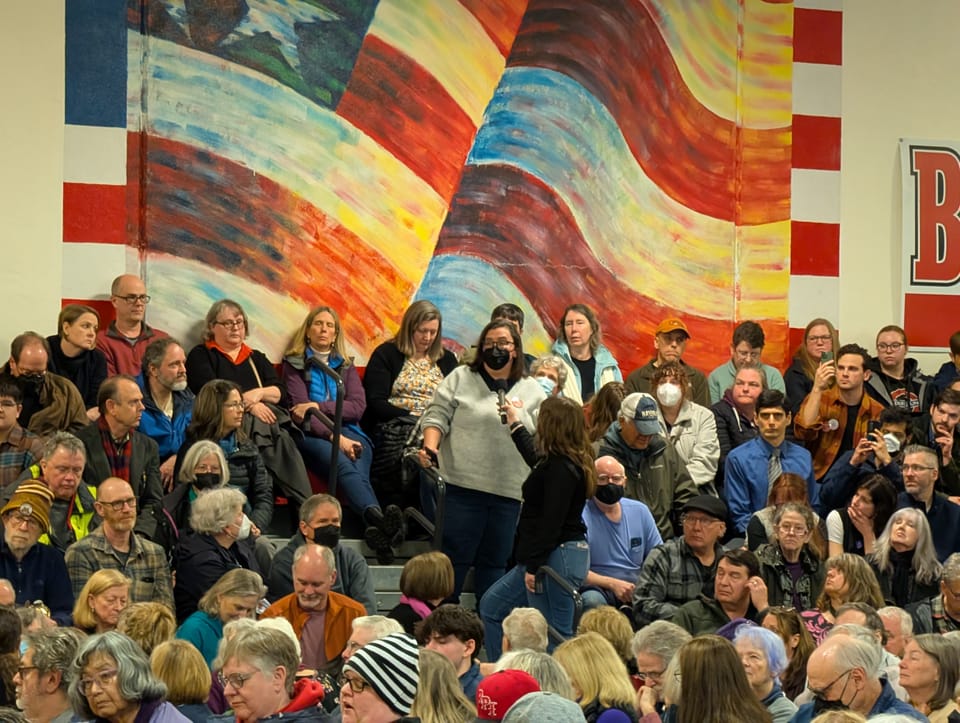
(101, 601)
(183, 670)
(598, 675)
(439, 697)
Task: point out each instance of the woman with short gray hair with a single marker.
(111, 681)
(257, 668)
(653, 647)
(218, 542)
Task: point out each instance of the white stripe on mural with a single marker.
(815, 195)
(817, 89)
(92, 154)
(812, 297)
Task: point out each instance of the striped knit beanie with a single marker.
(391, 665)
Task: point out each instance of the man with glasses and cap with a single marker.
(37, 572)
(125, 339)
(682, 569)
(655, 473)
(670, 340)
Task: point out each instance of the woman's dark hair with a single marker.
(714, 687)
(207, 422)
(605, 407)
(789, 623)
(518, 366)
(9, 630)
(562, 432)
(884, 498)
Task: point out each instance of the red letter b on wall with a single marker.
(936, 259)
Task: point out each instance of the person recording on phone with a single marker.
(834, 415)
(464, 436)
(880, 452)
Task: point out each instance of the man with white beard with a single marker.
(167, 401)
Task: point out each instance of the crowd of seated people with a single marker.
(747, 524)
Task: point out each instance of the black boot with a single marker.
(384, 531)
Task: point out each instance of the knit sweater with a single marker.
(476, 451)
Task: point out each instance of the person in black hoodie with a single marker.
(550, 531)
(897, 381)
(74, 353)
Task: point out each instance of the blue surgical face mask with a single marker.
(546, 384)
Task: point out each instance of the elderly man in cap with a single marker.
(379, 681)
(670, 339)
(37, 572)
(682, 569)
(655, 473)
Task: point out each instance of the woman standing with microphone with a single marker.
(467, 436)
(551, 530)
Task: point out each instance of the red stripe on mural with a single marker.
(500, 18)
(816, 142)
(687, 150)
(94, 213)
(817, 36)
(518, 225)
(399, 104)
(814, 249)
(274, 238)
(103, 306)
(927, 318)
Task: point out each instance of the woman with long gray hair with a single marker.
(111, 681)
(905, 559)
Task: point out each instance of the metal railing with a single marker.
(434, 528)
(540, 580)
(335, 425)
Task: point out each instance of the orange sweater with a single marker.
(338, 623)
(824, 445)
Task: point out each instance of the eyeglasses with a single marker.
(357, 685)
(135, 298)
(118, 505)
(652, 674)
(916, 468)
(821, 692)
(792, 529)
(696, 521)
(232, 324)
(822, 339)
(206, 468)
(22, 670)
(502, 344)
(19, 520)
(233, 405)
(102, 679)
(607, 478)
(8, 404)
(893, 346)
(236, 679)
(954, 594)
(748, 354)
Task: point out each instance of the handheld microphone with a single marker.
(502, 399)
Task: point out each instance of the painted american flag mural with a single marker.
(648, 157)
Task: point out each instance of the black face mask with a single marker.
(609, 494)
(32, 382)
(206, 480)
(495, 358)
(327, 535)
(821, 705)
